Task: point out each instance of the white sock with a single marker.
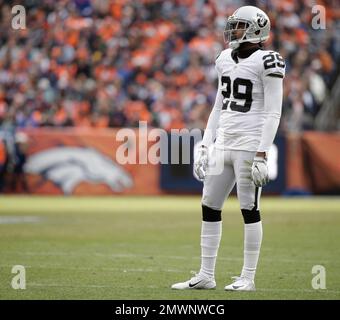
(211, 233)
(252, 246)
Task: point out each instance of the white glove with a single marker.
(259, 172)
(201, 163)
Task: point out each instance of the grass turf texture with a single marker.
(136, 247)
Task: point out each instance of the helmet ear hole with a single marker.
(257, 32)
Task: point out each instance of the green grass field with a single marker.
(135, 247)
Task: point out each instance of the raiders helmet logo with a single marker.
(261, 20)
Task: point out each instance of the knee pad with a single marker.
(211, 215)
(251, 216)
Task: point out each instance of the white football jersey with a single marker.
(241, 85)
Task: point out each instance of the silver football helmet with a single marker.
(254, 23)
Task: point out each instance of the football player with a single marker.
(242, 126)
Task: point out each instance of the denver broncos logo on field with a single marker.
(66, 167)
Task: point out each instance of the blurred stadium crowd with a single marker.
(111, 63)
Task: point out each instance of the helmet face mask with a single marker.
(235, 30)
(246, 24)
